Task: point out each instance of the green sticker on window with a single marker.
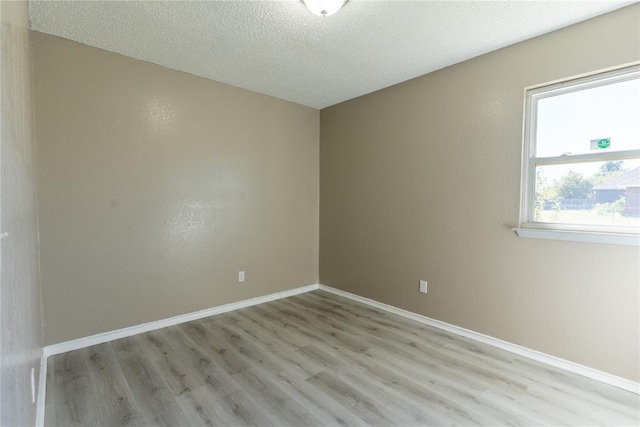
(600, 144)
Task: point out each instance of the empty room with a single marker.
(319, 213)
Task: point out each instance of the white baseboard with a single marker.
(79, 343)
(557, 362)
(42, 390)
(566, 365)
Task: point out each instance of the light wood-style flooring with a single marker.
(317, 359)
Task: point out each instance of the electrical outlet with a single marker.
(423, 286)
(240, 276)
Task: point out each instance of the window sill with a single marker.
(579, 236)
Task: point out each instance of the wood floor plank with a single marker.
(290, 358)
(153, 397)
(50, 414)
(74, 401)
(226, 358)
(243, 346)
(317, 359)
(267, 393)
(327, 411)
(116, 405)
(203, 407)
(362, 405)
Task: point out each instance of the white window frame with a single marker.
(575, 232)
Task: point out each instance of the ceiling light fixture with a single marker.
(324, 7)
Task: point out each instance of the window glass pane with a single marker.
(574, 123)
(594, 193)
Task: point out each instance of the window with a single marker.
(581, 159)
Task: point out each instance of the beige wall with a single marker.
(422, 180)
(20, 327)
(156, 187)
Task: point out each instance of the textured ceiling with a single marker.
(279, 48)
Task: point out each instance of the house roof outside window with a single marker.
(631, 178)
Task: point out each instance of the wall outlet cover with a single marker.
(423, 286)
